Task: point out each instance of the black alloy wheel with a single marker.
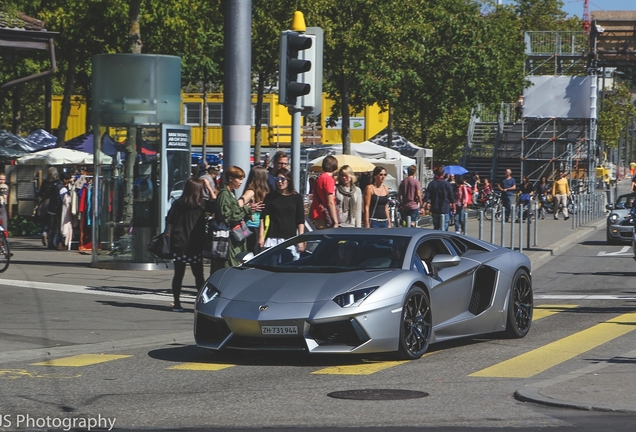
(416, 325)
(520, 306)
(5, 254)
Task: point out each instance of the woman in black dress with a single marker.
(186, 227)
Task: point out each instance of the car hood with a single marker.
(254, 285)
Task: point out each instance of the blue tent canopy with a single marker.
(85, 143)
(211, 159)
(43, 139)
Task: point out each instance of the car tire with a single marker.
(416, 324)
(520, 306)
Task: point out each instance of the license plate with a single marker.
(279, 330)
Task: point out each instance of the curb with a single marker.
(532, 392)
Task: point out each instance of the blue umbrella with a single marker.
(455, 170)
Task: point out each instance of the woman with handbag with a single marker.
(231, 213)
(255, 192)
(286, 212)
(186, 228)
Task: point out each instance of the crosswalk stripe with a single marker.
(81, 360)
(538, 360)
(358, 369)
(201, 366)
(548, 310)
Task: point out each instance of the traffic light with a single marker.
(293, 62)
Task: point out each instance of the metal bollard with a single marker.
(512, 231)
(408, 221)
(481, 224)
(536, 226)
(492, 226)
(521, 228)
(503, 227)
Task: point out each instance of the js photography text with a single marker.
(28, 421)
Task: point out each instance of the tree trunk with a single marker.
(134, 35)
(258, 119)
(389, 138)
(65, 110)
(345, 115)
(16, 105)
(204, 144)
(423, 129)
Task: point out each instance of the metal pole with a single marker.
(512, 230)
(492, 225)
(237, 101)
(503, 227)
(520, 227)
(481, 224)
(536, 225)
(295, 143)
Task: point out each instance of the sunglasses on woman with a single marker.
(281, 179)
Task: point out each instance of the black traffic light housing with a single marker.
(292, 44)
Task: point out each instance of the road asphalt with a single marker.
(598, 387)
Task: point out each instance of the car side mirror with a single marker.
(444, 261)
(245, 256)
(609, 206)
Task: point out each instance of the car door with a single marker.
(450, 288)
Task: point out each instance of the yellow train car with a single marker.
(276, 121)
(76, 123)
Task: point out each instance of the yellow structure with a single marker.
(276, 126)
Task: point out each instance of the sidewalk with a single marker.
(603, 386)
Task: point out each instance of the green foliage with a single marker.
(613, 118)
(21, 226)
(430, 61)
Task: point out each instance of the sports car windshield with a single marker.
(333, 253)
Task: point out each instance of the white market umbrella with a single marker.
(61, 156)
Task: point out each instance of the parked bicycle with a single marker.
(493, 202)
(394, 209)
(5, 253)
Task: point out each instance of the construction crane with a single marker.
(586, 17)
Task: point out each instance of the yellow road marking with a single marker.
(81, 360)
(538, 360)
(366, 368)
(201, 366)
(547, 310)
(23, 373)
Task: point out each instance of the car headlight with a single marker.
(613, 218)
(208, 293)
(354, 298)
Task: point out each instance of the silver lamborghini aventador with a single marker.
(362, 291)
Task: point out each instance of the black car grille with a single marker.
(346, 332)
(483, 289)
(210, 330)
(265, 343)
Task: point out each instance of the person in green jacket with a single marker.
(229, 210)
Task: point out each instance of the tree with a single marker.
(617, 109)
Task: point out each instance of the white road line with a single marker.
(624, 251)
(583, 297)
(102, 291)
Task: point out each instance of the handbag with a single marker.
(160, 246)
(524, 197)
(240, 232)
(217, 241)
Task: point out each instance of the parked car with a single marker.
(352, 291)
(619, 229)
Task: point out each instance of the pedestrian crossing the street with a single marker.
(525, 365)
